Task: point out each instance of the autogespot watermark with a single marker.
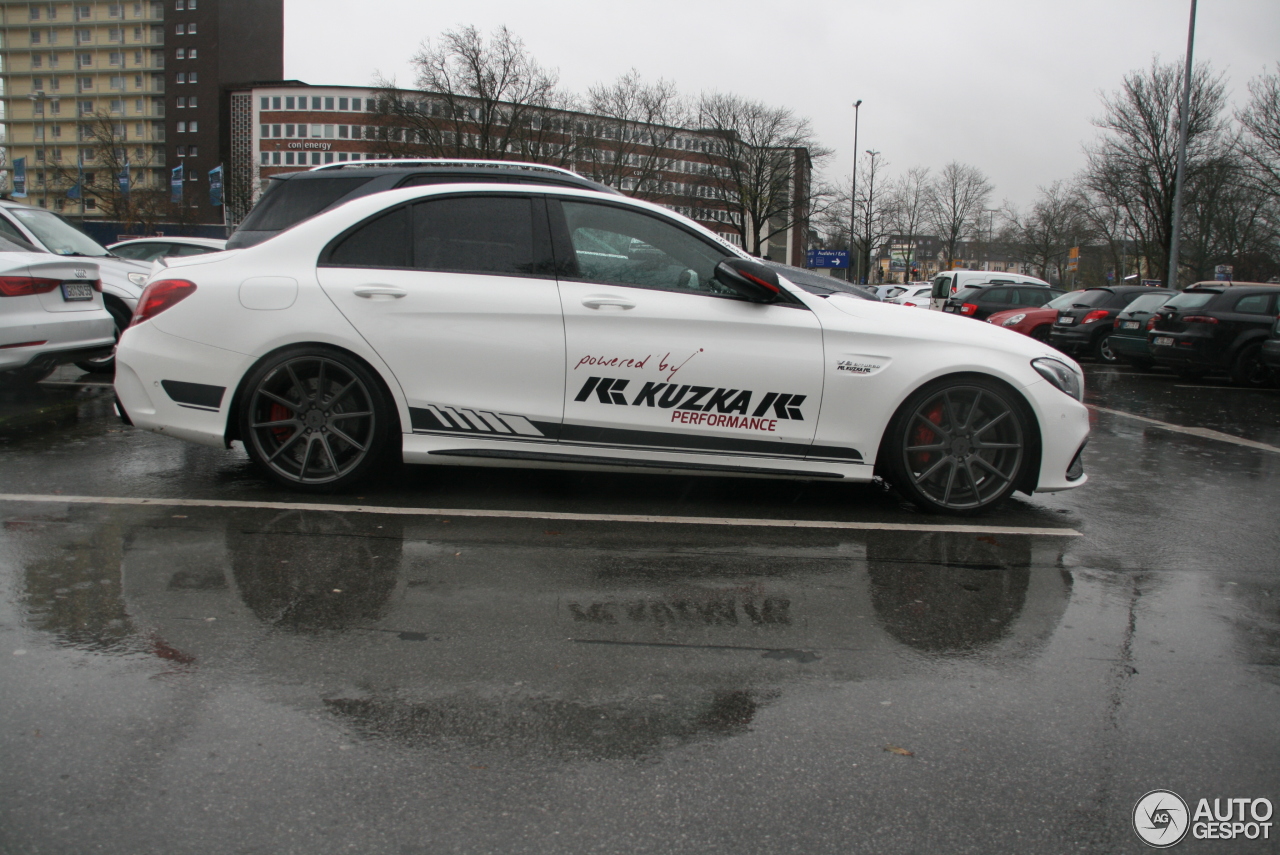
(1162, 819)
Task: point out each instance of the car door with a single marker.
(458, 296)
(660, 356)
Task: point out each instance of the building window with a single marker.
(37, 60)
(37, 83)
(181, 78)
(182, 54)
(288, 158)
(288, 103)
(191, 54)
(266, 159)
(182, 151)
(191, 102)
(192, 126)
(275, 158)
(275, 103)
(117, 105)
(85, 108)
(191, 5)
(266, 103)
(328, 132)
(191, 77)
(117, 81)
(84, 37)
(182, 102)
(328, 103)
(115, 10)
(265, 131)
(35, 13)
(83, 13)
(342, 132)
(137, 81)
(115, 34)
(116, 58)
(180, 5)
(84, 60)
(35, 37)
(191, 29)
(181, 128)
(288, 130)
(180, 29)
(315, 103)
(193, 150)
(342, 103)
(86, 84)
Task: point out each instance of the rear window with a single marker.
(1190, 299)
(965, 293)
(1147, 303)
(1061, 302)
(290, 202)
(1088, 298)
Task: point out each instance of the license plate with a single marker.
(72, 291)
(1130, 325)
(1066, 319)
(1163, 341)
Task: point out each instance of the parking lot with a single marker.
(465, 660)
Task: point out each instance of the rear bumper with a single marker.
(1185, 350)
(52, 357)
(1073, 339)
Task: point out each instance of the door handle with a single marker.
(601, 302)
(373, 292)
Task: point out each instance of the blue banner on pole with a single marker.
(215, 186)
(828, 258)
(124, 181)
(176, 178)
(20, 177)
(76, 190)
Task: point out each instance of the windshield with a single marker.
(1147, 303)
(57, 235)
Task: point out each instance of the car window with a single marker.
(58, 236)
(380, 242)
(1254, 304)
(998, 296)
(1190, 299)
(624, 247)
(291, 202)
(140, 251)
(1062, 301)
(1089, 298)
(474, 234)
(15, 244)
(964, 294)
(9, 230)
(1035, 296)
(941, 287)
(1147, 303)
(178, 250)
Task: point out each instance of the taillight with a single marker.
(908, 304)
(25, 286)
(968, 308)
(1199, 319)
(1095, 315)
(1151, 322)
(97, 285)
(161, 295)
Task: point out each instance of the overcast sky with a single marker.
(1009, 86)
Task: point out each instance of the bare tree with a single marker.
(908, 209)
(626, 142)
(1044, 235)
(760, 166)
(957, 199)
(1261, 122)
(1133, 164)
(117, 175)
(476, 98)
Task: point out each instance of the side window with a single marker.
(998, 296)
(475, 234)
(623, 247)
(381, 242)
(10, 231)
(1254, 304)
(1033, 296)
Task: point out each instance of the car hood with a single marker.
(933, 327)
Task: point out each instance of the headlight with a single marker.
(139, 279)
(1060, 375)
(1016, 319)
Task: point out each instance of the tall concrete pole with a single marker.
(1171, 280)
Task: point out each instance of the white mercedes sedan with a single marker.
(487, 324)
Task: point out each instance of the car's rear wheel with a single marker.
(1248, 370)
(315, 418)
(959, 445)
(107, 364)
(1102, 350)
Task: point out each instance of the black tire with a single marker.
(959, 445)
(1248, 370)
(1041, 333)
(107, 364)
(1102, 351)
(20, 378)
(316, 419)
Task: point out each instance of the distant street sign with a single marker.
(1073, 259)
(1223, 272)
(828, 258)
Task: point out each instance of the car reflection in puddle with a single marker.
(510, 639)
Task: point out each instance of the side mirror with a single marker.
(749, 280)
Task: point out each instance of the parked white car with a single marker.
(949, 282)
(914, 295)
(51, 313)
(122, 279)
(507, 325)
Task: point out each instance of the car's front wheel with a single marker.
(315, 418)
(959, 445)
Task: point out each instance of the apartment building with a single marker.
(286, 126)
(103, 95)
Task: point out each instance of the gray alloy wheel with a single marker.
(958, 446)
(314, 419)
(1248, 370)
(1102, 350)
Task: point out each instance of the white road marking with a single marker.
(1204, 433)
(537, 515)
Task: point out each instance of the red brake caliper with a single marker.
(924, 436)
(279, 412)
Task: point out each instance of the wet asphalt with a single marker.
(263, 679)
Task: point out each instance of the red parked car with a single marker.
(1033, 322)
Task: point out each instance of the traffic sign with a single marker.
(828, 258)
(1223, 272)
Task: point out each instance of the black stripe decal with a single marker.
(194, 394)
(588, 460)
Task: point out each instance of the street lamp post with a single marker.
(853, 200)
(871, 191)
(38, 99)
(1172, 278)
